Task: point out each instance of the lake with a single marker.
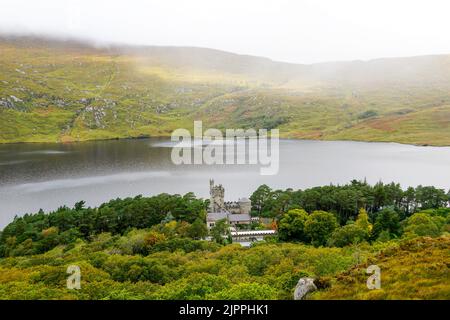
(34, 176)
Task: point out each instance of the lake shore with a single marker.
(168, 136)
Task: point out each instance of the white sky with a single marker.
(303, 31)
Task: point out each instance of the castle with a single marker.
(235, 212)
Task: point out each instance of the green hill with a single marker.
(54, 90)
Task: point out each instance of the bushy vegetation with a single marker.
(415, 269)
(110, 270)
(153, 247)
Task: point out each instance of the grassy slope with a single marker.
(417, 269)
(70, 91)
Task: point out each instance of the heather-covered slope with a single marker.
(415, 269)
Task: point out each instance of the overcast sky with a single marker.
(303, 31)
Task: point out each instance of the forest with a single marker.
(154, 247)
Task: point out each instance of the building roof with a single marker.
(215, 216)
(239, 217)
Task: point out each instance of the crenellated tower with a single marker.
(216, 197)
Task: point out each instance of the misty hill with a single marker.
(55, 90)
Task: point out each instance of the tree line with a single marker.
(43, 231)
(329, 215)
(345, 201)
(337, 215)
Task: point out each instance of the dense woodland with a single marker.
(152, 247)
(385, 207)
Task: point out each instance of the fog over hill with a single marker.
(431, 69)
(103, 91)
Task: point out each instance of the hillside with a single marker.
(416, 269)
(54, 90)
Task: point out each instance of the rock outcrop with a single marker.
(304, 286)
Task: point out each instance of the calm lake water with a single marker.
(34, 176)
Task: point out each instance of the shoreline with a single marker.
(281, 138)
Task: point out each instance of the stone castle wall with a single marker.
(217, 203)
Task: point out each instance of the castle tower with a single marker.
(216, 193)
(245, 205)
